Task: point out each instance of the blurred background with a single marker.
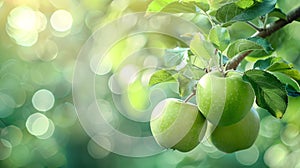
(39, 127)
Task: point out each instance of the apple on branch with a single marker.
(224, 99)
(178, 125)
(238, 136)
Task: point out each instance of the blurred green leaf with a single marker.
(193, 72)
(175, 56)
(185, 7)
(158, 5)
(175, 6)
(244, 3)
(220, 37)
(186, 85)
(270, 92)
(203, 49)
(161, 76)
(216, 4)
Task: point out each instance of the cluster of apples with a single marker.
(225, 101)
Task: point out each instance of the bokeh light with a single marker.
(37, 124)
(43, 100)
(22, 18)
(276, 155)
(7, 105)
(61, 20)
(64, 115)
(20, 156)
(49, 132)
(101, 68)
(5, 148)
(248, 157)
(13, 134)
(96, 151)
(24, 25)
(47, 51)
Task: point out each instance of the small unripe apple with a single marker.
(177, 125)
(224, 100)
(238, 136)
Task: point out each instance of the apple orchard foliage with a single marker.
(267, 84)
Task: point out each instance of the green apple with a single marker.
(177, 125)
(224, 100)
(238, 136)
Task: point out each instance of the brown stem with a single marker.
(271, 28)
(254, 26)
(190, 96)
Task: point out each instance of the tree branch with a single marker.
(271, 28)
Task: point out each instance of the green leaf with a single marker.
(270, 92)
(223, 58)
(220, 37)
(259, 9)
(203, 5)
(291, 91)
(232, 12)
(197, 61)
(180, 7)
(244, 3)
(259, 54)
(262, 42)
(175, 56)
(277, 13)
(158, 5)
(291, 86)
(285, 68)
(186, 85)
(193, 72)
(161, 76)
(277, 64)
(176, 6)
(203, 49)
(216, 4)
(263, 64)
(227, 12)
(243, 45)
(185, 7)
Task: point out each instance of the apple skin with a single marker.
(224, 100)
(177, 125)
(238, 136)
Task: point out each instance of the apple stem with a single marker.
(190, 96)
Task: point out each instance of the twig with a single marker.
(270, 29)
(190, 96)
(254, 26)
